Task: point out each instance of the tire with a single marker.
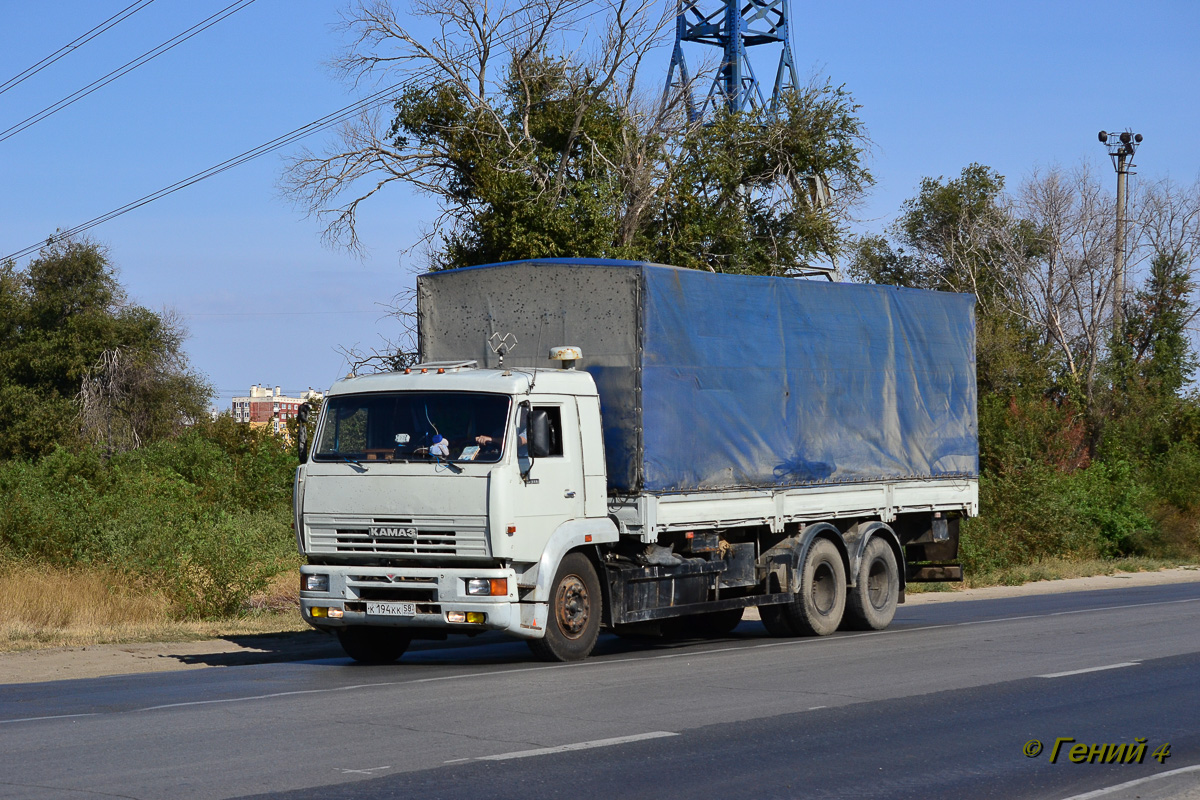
(576, 608)
(775, 621)
(709, 625)
(872, 602)
(374, 645)
(818, 607)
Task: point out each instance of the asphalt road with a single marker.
(939, 705)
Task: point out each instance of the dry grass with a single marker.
(73, 608)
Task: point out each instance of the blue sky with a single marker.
(1013, 85)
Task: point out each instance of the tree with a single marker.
(956, 235)
(1151, 363)
(565, 155)
(742, 195)
(79, 363)
(1157, 326)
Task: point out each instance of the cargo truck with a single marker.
(593, 444)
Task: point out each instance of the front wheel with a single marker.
(817, 608)
(872, 603)
(576, 607)
(374, 645)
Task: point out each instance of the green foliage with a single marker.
(1156, 327)
(1036, 512)
(925, 245)
(1175, 476)
(942, 207)
(204, 517)
(1018, 431)
(524, 185)
(554, 165)
(1147, 368)
(741, 197)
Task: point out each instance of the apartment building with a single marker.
(264, 407)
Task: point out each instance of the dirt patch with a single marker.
(95, 661)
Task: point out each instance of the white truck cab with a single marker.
(427, 503)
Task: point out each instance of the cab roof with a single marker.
(470, 379)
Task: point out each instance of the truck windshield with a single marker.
(413, 426)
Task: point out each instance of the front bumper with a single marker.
(435, 592)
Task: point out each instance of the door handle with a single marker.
(568, 493)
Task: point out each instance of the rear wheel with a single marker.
(374, 645)
(576, 607)
(872, 603)
(818, 606)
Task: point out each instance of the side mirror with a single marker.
(302, 434)
(539, 433)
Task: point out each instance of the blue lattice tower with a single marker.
(734, 26)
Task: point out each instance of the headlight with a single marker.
(493, 587)
(314, 583)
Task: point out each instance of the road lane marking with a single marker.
(1130, 784)
(1088, 669)
(269, 696)
(38, 719)
(602, 662)
(568, 748)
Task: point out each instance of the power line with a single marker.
(74, 44)
(275, 313)
(316, 126)
(125, 69)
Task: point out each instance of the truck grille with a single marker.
(336, 537)
(407, 589)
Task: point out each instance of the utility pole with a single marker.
(1121, 147)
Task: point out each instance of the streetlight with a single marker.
(1121, 147)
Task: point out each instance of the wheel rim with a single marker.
(878, 584)
(824, 589)
(572, 606)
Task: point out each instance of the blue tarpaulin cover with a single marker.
(756, 381)
(711, 381)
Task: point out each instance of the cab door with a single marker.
(554, 490)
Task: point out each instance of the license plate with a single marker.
(392, 609)
(402, 533)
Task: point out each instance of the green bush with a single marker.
(1176, 476)
(1039, 512)
(205, 522)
